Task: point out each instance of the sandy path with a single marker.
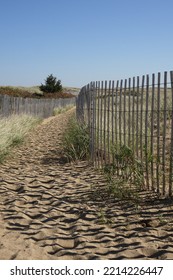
(53, 210)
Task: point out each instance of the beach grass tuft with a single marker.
(13, 130)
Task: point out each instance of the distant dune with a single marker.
(35, 91)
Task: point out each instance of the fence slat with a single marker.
(152, 130)
(141, 118)
(164, 130)
(158, 133)
(108, 122)
(101, 126)
(146, 132)
(133, 115)
(171, 144)
(98, 122)
(129, 115)
(120, 113)
(105, 123)
(116, 123)
(94, 120)
(137, 118)
(125, 110)
(113, 119)
(116, 113)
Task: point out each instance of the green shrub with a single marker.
(75, 141)
(51, 85)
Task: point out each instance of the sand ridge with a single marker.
(50, 209)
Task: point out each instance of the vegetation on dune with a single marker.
(51, 89)
(61, 110)
(33, 92)
(17, 92)
(76, 141)
(13, 130)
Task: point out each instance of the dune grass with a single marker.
(13, 130)
(76, 141)
(60, 110)
(35, 92)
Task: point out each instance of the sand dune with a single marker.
(55, 210)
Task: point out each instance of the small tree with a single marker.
(51, 85)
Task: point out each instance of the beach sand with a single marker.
(52, 210)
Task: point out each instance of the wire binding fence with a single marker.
(132, 116)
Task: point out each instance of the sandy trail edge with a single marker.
(54, 210)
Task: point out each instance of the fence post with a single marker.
(137, 118)
(108, 122)
(164, 130)
(146, 132)
(141, 118)
(158, 132)
(129, 111)
(152, 130)
(113, 119)
(101, 126)
(90, 91)
(104, 124)
(125, 110)
(98, 122)
(171, 148)
(94, 141)
(133, 115)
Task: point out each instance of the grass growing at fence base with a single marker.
(124, 177)
(127, 165)
(75, 141)
(13, 130)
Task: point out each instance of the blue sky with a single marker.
(83, 40)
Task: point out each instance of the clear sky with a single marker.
(80, 41)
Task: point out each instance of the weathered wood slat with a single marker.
(39, 107)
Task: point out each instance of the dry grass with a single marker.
(13, 130)
(61, 110)
(21, 91)
(35, 92)
(75, 141)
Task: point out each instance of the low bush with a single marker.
(51, 85)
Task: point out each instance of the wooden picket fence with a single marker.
(131, 121)
(42, 107)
